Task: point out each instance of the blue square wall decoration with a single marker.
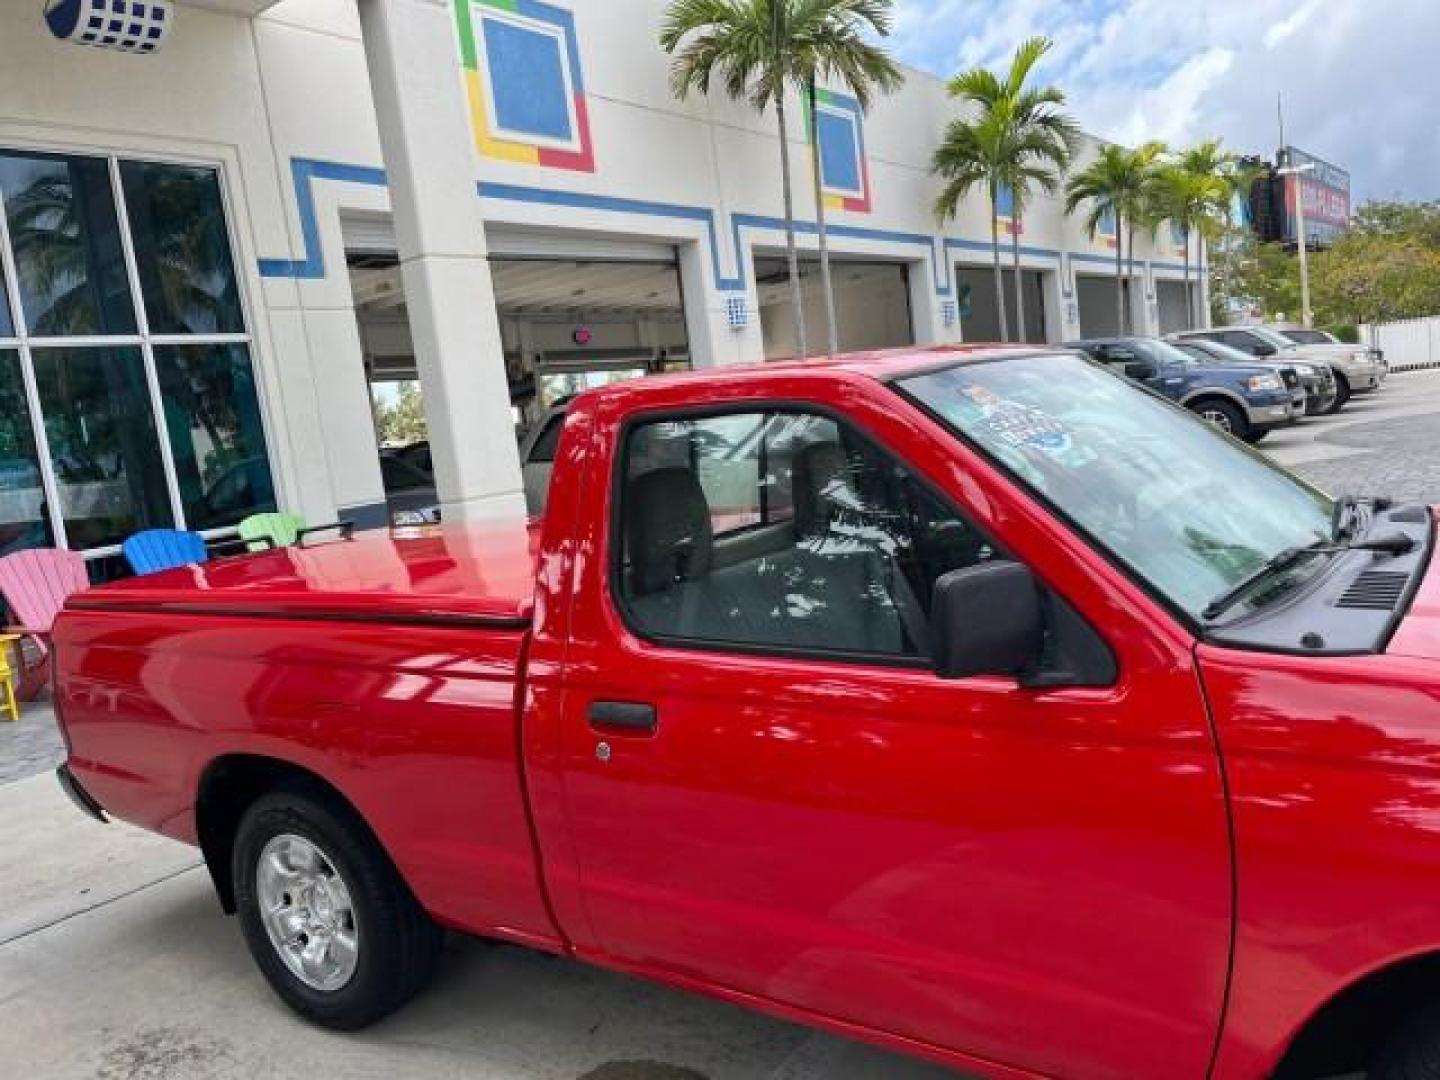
(529, 82)
(839, 153)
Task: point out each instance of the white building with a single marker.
(211, 252)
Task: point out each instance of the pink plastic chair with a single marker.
(35, 585)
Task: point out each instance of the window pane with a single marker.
(102, 443)
(67, 244)
(182, 250)
(212, 412)
(7, 326)
(23, 521)
(782, 530)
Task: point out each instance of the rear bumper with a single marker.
(79, 796)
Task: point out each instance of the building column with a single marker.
(430, 165)
(935, 319)
(715, 340)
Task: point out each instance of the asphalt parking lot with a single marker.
(116, 964)
(1382, 444)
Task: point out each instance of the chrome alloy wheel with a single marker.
(1218, 418)
(307, 911)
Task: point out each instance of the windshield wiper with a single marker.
(1392, 544)
(1344, 517)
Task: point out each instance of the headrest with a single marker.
(821, 485)
(668, 529)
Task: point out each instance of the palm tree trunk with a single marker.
(999, 277)
(1119, 277)
(1190, 323)
(1130, 277)
(832, 336)
(797, 298)
(1020, 332)
(1200, 274)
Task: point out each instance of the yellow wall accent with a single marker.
(488, 146)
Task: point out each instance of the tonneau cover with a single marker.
(442, 574)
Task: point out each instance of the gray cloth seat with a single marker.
(826, 592)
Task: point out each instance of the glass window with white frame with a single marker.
(128, 397)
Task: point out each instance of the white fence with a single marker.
(1409, 345)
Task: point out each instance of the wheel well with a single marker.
(1341, 379)
(1345, 1033)
(228, 787)
(1202, 399)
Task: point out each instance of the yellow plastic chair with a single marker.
(8, 703)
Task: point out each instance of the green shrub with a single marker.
(1346, 332)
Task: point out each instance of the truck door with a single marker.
(769, 790)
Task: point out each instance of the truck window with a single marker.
(782, 531)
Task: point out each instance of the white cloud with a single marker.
(1359, 77)
(1288, 26)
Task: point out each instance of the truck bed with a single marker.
(437, 575)
(386, 668)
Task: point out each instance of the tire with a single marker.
(1257, 436)
(1413, 1052)
(393, 947)
(1223, 415)
(1342, 394)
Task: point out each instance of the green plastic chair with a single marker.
(265, 531)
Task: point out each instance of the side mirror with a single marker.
(1264, 349)
(986, 620)
(1141, 370)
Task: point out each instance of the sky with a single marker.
(1360, 78)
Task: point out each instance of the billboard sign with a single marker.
(1326, 191)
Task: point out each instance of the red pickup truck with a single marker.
(976, 703)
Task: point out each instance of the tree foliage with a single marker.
(1386, 266)
(402, 421)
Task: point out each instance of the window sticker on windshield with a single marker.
(1026, 427)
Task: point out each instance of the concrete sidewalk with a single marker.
(32, 744)
(116, 964)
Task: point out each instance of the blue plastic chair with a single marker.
(154, 550)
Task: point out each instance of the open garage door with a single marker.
(872, 305)
(980, 311)
(575, 313)
(1175, 309)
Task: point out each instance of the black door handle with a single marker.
(623, 717)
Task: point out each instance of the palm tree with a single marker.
(1191, 201)
(1225, 177)
(760, 49)
(1118, 184)
(1019, 140)
(838, 51)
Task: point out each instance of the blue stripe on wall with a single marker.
(305, 171)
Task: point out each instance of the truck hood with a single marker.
(480, 573)
(1419, 632)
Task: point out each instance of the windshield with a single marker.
(1280, 341)
(1163, 353)
(1187, 509)
(1309, 337)
(1214, 352)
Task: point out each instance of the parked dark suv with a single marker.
(1317, 387)
(1248, 401)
